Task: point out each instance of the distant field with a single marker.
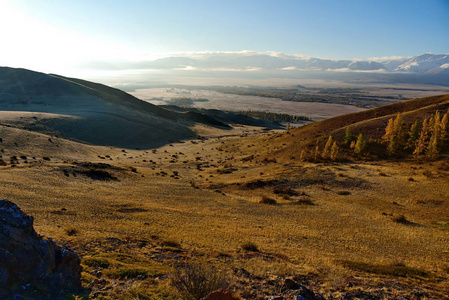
(317, 100)
(217, 100)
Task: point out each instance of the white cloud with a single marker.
(252, 69)
(288, 56)
(445, 66)
(357, 71)
(290, 68)
(186, 68)
(386, 58)
(301, 56)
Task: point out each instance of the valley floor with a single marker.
(379, 229)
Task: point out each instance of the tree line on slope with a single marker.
(423, 140)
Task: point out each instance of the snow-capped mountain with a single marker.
(366, 66)
(424, 63)
(253, 61)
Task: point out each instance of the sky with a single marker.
(61, 36)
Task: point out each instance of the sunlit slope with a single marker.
(371, 123)
(88, 112)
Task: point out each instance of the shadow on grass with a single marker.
(399, 270)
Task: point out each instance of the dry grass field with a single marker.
(350, 229)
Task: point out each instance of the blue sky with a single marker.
(54, 34)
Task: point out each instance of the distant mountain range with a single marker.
(253, 61)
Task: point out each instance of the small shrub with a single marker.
(99, 175)
(198, 280)
(428, 174)
(71, 231)
(304, 201)
(250, 246)
(2, 162)
(171, 243)
(402, 220)
(269, 201)
(46, 158)
(285, 191)
(343, 193)
(96, 262)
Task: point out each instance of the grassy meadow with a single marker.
(133, 215)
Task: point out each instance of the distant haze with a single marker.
(250, 67)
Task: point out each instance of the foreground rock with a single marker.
(295, 291)
(30, 266)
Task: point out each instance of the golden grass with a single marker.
(355, 228)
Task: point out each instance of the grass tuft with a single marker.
(250, 246)
(96, 262)
(304, 201)
(198, 279)
(71, 231)
(402, 220)
(269, 201)
(343, 193)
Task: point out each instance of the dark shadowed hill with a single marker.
(87, 112)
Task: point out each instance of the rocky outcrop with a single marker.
(30, 265)
(295, 291)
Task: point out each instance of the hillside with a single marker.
(87, 112)
(371, 123)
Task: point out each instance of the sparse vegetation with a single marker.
(304, 201)
(250, 246)
(171, 243)
(267, 200)
(214, 206)
(343, 193)
(96, 262)
(71, 231)
(402, 220)
(198, 279)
